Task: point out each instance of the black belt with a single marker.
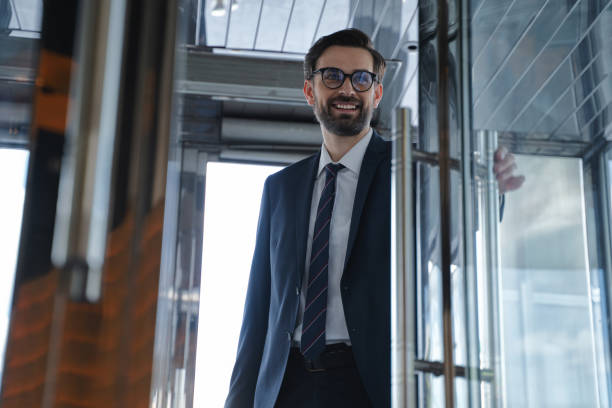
(333, 356)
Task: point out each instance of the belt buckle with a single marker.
(311, 367)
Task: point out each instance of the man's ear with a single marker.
(309, 92)
(378, 93)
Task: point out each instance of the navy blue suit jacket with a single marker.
(272, 300)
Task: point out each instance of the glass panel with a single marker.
(233, 193)
(536, 53)
(548, 294)
(497, 70)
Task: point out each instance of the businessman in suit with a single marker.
(316, 325)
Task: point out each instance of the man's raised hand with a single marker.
(504, 168)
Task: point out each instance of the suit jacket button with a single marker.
(297, 290)
(289, 336)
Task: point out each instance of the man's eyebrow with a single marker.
(356, 69)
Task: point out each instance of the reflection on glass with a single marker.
(550, 353)
(233, 193)
(24, 17)
(13, 167)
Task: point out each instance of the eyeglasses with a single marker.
(334, 78)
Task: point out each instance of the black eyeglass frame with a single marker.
(344, 77)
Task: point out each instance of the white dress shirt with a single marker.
(346, 185)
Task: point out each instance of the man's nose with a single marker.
(347, 88)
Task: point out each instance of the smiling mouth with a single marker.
(345, 107)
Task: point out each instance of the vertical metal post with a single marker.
(445, 199)
(604, 178)
(81, 227)
(605, 203)
(403, 387)
(469, 201)
(493, 268)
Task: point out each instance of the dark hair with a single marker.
(350, 37)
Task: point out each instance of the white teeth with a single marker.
(346, 106)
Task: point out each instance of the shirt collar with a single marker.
(351, 160)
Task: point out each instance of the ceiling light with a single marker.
(219, 9)
(234, 5)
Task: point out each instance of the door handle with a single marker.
(86, 178)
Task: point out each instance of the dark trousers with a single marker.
(330, 382)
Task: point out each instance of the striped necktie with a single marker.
(313, 323)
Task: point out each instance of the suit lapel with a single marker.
(372, 158)
(303, 198)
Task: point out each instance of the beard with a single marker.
(339, 123)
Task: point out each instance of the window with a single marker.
(13, 167)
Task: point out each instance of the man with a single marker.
(343, 75)
(316, 326)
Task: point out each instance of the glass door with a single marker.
(533, 80)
